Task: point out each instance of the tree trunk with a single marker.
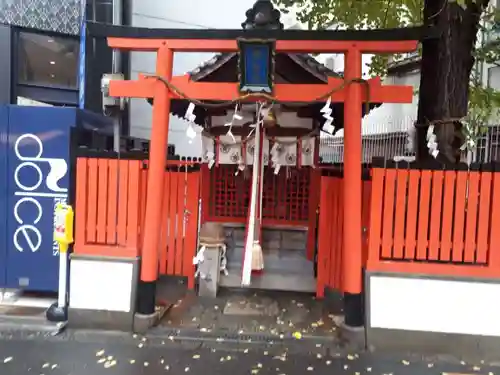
(447, 63)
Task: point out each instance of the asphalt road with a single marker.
(136, 356)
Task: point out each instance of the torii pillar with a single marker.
(353, 96)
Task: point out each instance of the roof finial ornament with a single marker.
(263, 15)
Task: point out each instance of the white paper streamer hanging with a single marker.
(236, 117)
(260, 118)
(275, 157)
(197, 260)
(191, 117)
(210, 156)
(431, 142)
(327, 115)
(410, 136)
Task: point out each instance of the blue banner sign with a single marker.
(37, 179)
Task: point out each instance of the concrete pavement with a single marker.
(95, 353)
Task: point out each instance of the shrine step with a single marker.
(272, 280)
(286, 260)
(272, 238)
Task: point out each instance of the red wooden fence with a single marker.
(110, 207)
(107, 209)
(330, 235)
(180, 222)
(441, 222)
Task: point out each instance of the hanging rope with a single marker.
(273, 100)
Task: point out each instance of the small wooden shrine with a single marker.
(288, 152)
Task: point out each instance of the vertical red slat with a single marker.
(459, 219)
(332, 232)
(192, 199)
(423, 214)
(471, 221)
(388, 213)
(374, 241)
(143, 188)
(447, 215)
(179, 237)
(112, 202)
(436, 208)
(338, 275)
(102, 199)
(314, 183)
(164, 226)
(93, 179)
(411, 214)
(81, 202)
(172, 230)
(367, 193)
(400, 212)
(323, 242)
(123, 172)
(494, 237)
(484, 218)
(133, 205)
(205, 191)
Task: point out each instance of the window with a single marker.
(494, 77)
(48, 60)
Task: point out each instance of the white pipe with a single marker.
(63, 276)
(247, 262)
(116, 68)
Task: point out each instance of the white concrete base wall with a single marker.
(101, 285)
(431, 305)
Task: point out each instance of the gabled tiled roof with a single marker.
(307, 62)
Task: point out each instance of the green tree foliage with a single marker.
(368, 14)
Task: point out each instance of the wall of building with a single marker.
(62, 16)
(5, 63)
(39, 44)
(192, 14)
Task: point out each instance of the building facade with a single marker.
(40, 44)
(40, 49)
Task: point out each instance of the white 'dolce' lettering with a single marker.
(28, 192)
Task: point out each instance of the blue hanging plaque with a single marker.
(256, 66)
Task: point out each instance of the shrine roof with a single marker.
(306, 62)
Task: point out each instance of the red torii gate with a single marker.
(353, 44)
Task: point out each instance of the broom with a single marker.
(257, 258)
